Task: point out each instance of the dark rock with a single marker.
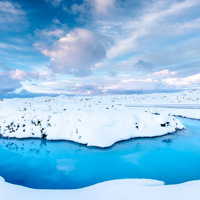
(44, 136)
(167, 141)
(165, 124)
(156, 113)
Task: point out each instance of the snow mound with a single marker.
(86, 123)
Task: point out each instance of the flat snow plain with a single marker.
(100, 121)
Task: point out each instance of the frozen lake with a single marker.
(36, 163)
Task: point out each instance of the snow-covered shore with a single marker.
(137, 189)
(83, 120)
(182, 112)
(100, 121)
(96, 121)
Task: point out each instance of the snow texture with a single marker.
(126, 189)
(96, 121)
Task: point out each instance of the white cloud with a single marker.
(49, 87)
(9, 7)
(77, 52)
(110, 85)
(143, 41)
(97, 8)
(50, 33)
(130, 85)
(165, 73)
(98, 85)
(23, 75)
(176, 54)
(186, 81)
(10, 79)
(12, 16)
(54, 3)
(155, 21)
(17, 74)
(103, 7)
(11, 46)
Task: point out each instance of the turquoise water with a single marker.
(36, 163)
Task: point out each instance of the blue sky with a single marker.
(91, 47)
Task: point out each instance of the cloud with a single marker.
(176, 54)
(165, 73)
(95, 86)
(155, 21)
(10, 79)
(112, 73)
(54, 3)
(135, 85)
(142, 65)
(9, 7)
(154, 45)
(82, 72)
(20, 74)
(77, 52)
(56, 21)
(7, 84)
(12, 16)
(96, 8)
(50, 32)
(102, 7)
(8, 46)
(193, 80)
(23, 75)
(121, 84)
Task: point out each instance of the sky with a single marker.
(95, 47)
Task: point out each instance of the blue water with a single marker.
(35, 163)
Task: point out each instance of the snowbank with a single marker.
(95, 121)
(137, 189)
(179, 112)
(99, 126)
(188, 113)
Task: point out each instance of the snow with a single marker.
(133, 189)
(188, 113)
(95, 121)
(100, 121)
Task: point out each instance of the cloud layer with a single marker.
(99, 46)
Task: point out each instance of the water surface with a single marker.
(37, 163)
